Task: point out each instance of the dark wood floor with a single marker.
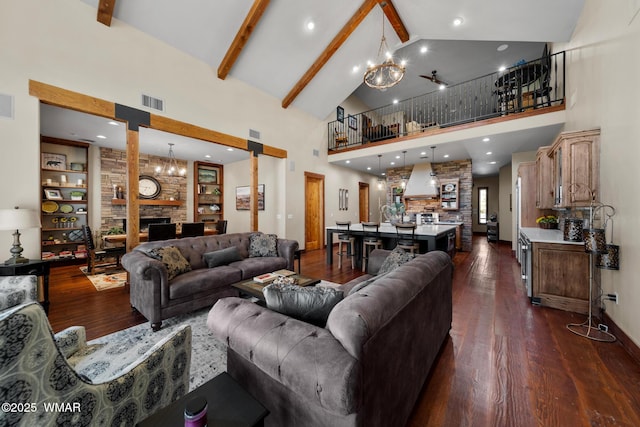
(506, 362)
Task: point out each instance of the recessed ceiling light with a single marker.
(492, 163)
(101, 137)
(392, 163)
(486, 139)
(502, 68)
(423, 49)
(424, 153)
(458, 21)
(112, 123)
(502, 47)
(397, 157)
(229, 149)
(355, 68)
(395, 101)
(348, 161)
(207, 156)
(442, 87)
(368, 168)
(446, 156)
(311, 25)
(383, 173)
(489, 153)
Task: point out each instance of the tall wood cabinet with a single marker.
(64, 193)
(576, 168)
(528, 181)
(208, 193)
(544, 172)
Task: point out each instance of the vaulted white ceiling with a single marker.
(281, 49)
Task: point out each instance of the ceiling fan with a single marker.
(434, 78)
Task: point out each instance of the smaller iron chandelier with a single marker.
(387, 73)
(170, 167)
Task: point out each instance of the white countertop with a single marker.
(421, 230)
(541, 235)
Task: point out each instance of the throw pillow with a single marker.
(263, 245)
(222, 257)
(396, 258)
(310, 304)
(172, 258)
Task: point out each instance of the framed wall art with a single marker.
(353, 122)
(340, 114)
(243, 197)
(53, 161)
(52, 194)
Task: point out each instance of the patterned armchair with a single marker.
(16, 290)
(61, 380)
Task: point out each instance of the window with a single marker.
(483, 204)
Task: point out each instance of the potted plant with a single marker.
(547, 221)
(76, 195)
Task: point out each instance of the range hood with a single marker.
(419, 185)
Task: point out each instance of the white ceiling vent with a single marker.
(151, 102)
(254, 134)
(6, 106)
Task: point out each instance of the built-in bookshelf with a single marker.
(208, 198)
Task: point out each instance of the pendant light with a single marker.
(170, 167)
(403, 184)
(434, 177)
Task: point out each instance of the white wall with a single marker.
(493, 187)
(61, 43)
(603, 64)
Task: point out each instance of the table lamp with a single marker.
(15, 219)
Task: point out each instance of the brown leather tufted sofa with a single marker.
(158, 298)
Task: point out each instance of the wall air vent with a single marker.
(151, 102)
(6, 106)
(254, 134)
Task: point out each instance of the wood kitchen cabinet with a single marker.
(576, 168)
(561, 276)
(528, 181)
(544, 176)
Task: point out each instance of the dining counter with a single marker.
(430, 237)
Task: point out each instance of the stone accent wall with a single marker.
(460, 170)
(113, 164)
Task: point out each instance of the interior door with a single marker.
(313, 211)
(363, 202)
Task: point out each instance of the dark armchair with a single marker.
(100, 257)
(162, 231)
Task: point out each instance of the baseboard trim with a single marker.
(626, 342)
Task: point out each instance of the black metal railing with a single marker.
(529, 85)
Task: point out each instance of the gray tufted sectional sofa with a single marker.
(365, 368)
(158, 298)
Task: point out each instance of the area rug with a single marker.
(208, 355)
(107, 280)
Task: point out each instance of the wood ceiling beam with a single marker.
(247, 27)
(396, 22)
(105, 11)
(333, 47)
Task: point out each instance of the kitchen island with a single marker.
(430, 237)
(559, 270)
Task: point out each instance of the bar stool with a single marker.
(370, 240)
(348, 240)
(406, 237)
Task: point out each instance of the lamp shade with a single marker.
(18, 219)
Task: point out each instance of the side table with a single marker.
(36, 267)
(229, 405)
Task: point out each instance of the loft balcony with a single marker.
(525, 89)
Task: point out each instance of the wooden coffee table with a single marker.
(252, 288)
